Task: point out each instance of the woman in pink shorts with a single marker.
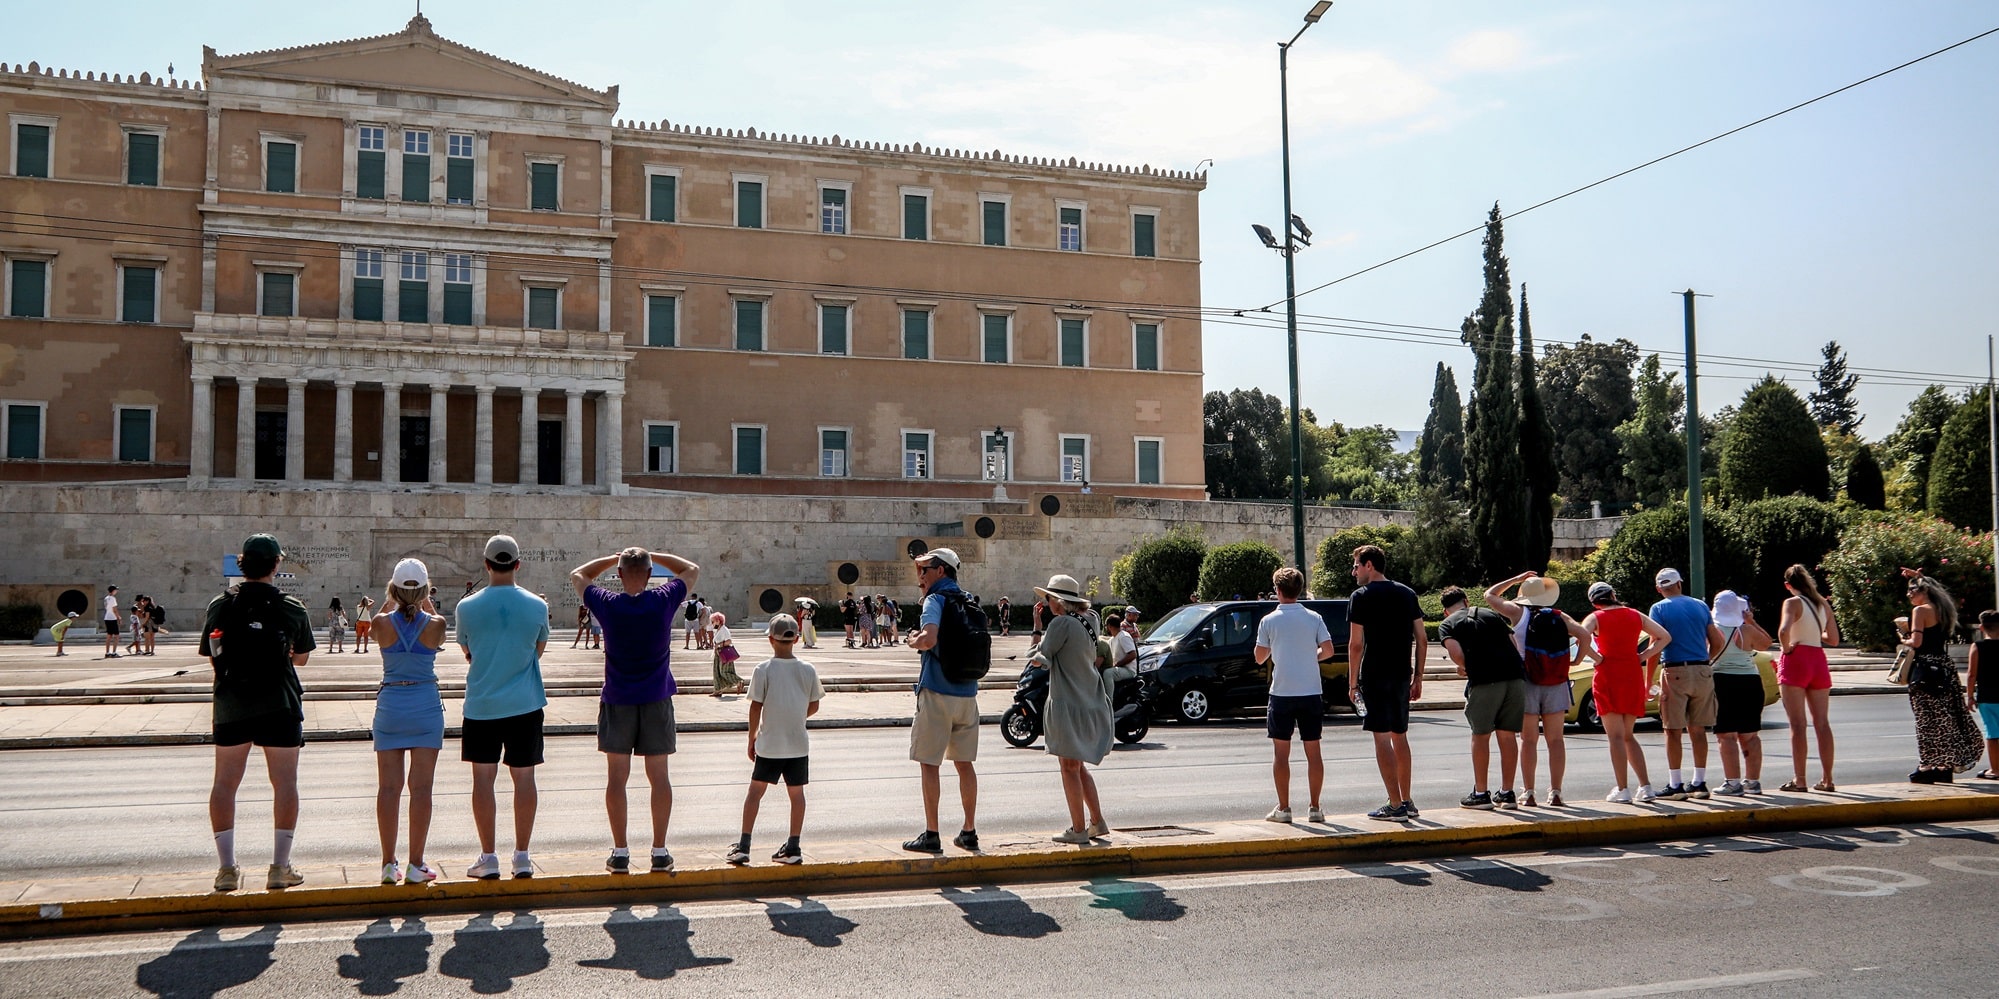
(1804, 628)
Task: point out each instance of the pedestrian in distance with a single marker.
(722, 663)
(1982, 684)
(635, 711)
(1550, 644)
(1480, 642)
(1292, 639)
(364, 622)
(946, 725)
(1077, 723)
(336, 627)
(1805, 627)
(1624, 677)
(849, 616)
(582, 627)
(1738, 695)
(503, 631)
(691, 612)
(255, 638)
(133, 622)
(1686, 684)
(1947, 740)
(155, 624)
(110, 619)
(808, 631)
(1387, 645)
(1004, 610)
(409, 718)
(784, 691)
(60, 630)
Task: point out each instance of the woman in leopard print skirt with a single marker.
(1947, 739)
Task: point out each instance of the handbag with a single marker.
(728, 653)
(1932, 675)
(1898, 674)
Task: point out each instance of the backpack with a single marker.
(964, 646)
(693, 610)
(1546, 656)
(256, 638)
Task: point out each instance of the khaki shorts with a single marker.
(945, 727)
(1688, 700)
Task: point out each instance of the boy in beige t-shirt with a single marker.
(783, 693)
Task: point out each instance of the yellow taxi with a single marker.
(1582, 712)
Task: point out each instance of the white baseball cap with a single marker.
(410, 572)
(1667, 577)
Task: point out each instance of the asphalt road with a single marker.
(95, 812)
(1856, 913)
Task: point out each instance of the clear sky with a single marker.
(1865, 218)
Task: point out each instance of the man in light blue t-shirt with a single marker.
(503, 630)
(1686, 681)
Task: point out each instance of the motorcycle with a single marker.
(1131, 714)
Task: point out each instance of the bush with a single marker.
(1868, 591)
(1961, 469)
(1864, 484)
(1773, 447)
(1332, 570)
(20, 620)
(1121, 577)
(1574, 578)
(1163, 571)
(1239, 569)
(1655, 539)
(1777, 534)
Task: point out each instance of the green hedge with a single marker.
(1655, 539)
(1780, 533)
(1243, 568)
(1332, 570)
(1868, 591)
(1163, 571)
(20, 620)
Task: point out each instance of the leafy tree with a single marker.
(1654, 539)
(1833, 405)
(1248, 445)
(1497, 481)
(1655, 452)
(1961, 468)
(1913, 442)
(1243, 567)
(1774, 448)
(1537, 455)
(1587, 391)
(1867, 592)
(1778, 533)
(1441, 550)
(1362, 466)
(1863, 481)
(1440, 455)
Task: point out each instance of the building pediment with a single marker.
(414, 59)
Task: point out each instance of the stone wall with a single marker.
(1574, 539)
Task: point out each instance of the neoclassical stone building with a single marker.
(397, 262)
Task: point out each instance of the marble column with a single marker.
(530, 437)
(392, 433)
(482, 438)
(294, 430)
(246, 428)
(343, 431)
(611, 441)
(201, 432)
(572, 439)
(439, 394)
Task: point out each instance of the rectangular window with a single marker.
(662, 320)
(416, 166)
(371, 165)
(832, 210)
(458, 289)
(24, 430)
(135, 433)
(1144, 235)
(140, 295)
(542, 186)
(1070, 229)
(749, 450)
(832, 329)
(998, 451)
(749, 204)
(413, 290)
(749, 324)
(995, 223)
(281, 167)
(31, 150)
(833, 453)
(1148, 461)
(916, 455)
(544, 308)
(916, 216)
(998, 338)
(1075, 459)
(1145, 346)
(368, 285)
(662, 194)
(916, 334)
(142, 159)
(1074, 342)
(30, 282)
(458, 169)
(277, 296)
(660, 447)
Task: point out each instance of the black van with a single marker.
(1200, 660)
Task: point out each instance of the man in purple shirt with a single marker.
(635, 713)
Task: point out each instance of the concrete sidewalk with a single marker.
(349, 890)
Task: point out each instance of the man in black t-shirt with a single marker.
(850, 615)
(1480, 642)
(1387, 626)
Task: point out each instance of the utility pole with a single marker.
(1696, 561)
(1992, 445)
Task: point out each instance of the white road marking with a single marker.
(1687, 985)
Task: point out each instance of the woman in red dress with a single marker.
(1624, 676)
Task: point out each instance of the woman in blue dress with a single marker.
(409, 715)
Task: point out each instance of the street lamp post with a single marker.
(996, 462)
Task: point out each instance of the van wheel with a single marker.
(1194, 706)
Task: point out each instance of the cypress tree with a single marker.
(1864, 485)
(1440, 455)
(1537, 454)
(1961, 468)
(1774, 448)
(1493, 472)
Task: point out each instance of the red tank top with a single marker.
(1617, 632)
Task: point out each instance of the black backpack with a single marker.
(964, 646)
(256, 638)
(1547, 657)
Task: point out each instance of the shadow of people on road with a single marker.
(809, 920)
(203, 963)
(654, 948)
(1001, 913)
(1139, 900)
(491, 957)
(1497, 874)
(1414, 877)
(384, 955)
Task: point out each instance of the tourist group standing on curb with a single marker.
(1514, 654)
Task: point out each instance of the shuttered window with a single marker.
(1144, 235)
(995, 223)
(1145, 346)
(832, 453)
(142, 159)
(413, 290)
(749, 204)
(1072, 343)
(542, 185)
(662, 321)
(542, 309)
(660, 447)
(31, 150)
(30, 298)
(277, 297)
(665, 190)
(281, 167)
(1070, 229)
(749, 324)
(749, 451)
(915, 216)
(458, 289)
(832, 210)
(996, 346)
(416, 166)
(139, 295)
(135, 434)
(916, 334)
(832, 329)
(368, 285)
(1148, 462)
(371, 166)
(458, 170)
(24, 431)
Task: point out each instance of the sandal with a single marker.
(1793, 785)
(1987, 775)
(1824, 785)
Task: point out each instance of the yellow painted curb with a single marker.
(1248, 846)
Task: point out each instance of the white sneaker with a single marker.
(1752, 787)
(1621, 796)
(1316, 815)
(1278, 814)
(420, 874)
(486, 868)
(391, 873)
(523, 867)
(1646, 795)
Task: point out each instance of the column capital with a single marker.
(297, 382)
(484, 390)
(573, 393)
(344, 383)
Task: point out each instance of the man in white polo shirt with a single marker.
(1293, 639)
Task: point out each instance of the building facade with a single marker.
(398, 262)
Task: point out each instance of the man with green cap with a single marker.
(256, 637)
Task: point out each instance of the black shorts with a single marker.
(514, 740)
(110, 625)
(1305, 713)
(277, 730)
(636, 729)
(1387, 701)
(1738, 703)
(792, 768)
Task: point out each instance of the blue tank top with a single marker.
(409, 661)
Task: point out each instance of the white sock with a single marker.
(1672, 777)
(1700, 775)
(619, 851)
(660, 851)
(520, 858)
(281, 848)
(225, 847)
